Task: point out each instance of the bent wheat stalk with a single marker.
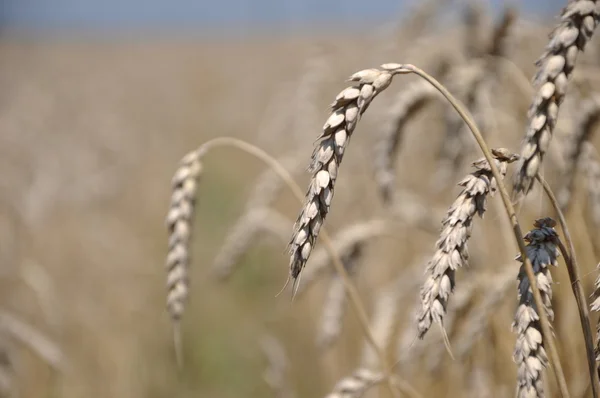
(351, 290)
(577, 24)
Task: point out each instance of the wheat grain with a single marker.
(530, 355)
(577, 23)
(451, 250)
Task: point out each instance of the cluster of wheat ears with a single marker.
(442, 299)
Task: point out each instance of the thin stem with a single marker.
(574, 276)
(393, 381)
(510, 211)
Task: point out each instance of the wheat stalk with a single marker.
(577, 23)
(451, 247)
(530, 355)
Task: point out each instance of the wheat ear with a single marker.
(530, 355)
(577, 23)
(451, 247)
(347, 108)
(587, 120)
(179, 223)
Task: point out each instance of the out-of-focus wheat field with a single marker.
(91, 132)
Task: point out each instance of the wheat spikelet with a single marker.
(179, 223)
(592, 167)
(347, 108)
(451, 249)
(530, 355)
(577, 23)
(334, 307)
(356, 385)
(413, 98)
(587, 119)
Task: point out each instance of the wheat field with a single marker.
(105, 218)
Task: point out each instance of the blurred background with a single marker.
(99, 100)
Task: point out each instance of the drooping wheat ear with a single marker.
(277, 372)
(345, 242)
(451, 247)
(407, 104)
(334, 307)
(577, 23)
(587, 120)
(347, 109)
(179, 223)
(355, 385)
(530, 355)
(592, 167)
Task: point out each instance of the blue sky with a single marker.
(204, 15)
